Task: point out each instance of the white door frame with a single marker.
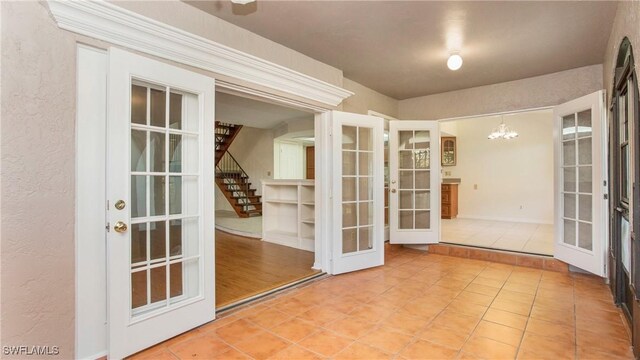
(596, 260)
(415, 236)
(91, 315)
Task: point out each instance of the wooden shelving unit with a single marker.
(288, 213)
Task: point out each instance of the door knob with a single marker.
(120, 227)
(393, 191)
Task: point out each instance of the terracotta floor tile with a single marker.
(156, 354)
(604, 328)
(263, 345)
(371, 313)
(482, 289)
(512, 306)
(488, 348)
(565, 317)
(463, 323)
(269, 318)
(405, 323)
(474, 298)
(358, 351)
(325, 343)
(293, 306)
(321, 315)
(521, 288)
(466, 308)
(488, 282)
(388, 340)
(344, 304)
(451, 338)
(515, 296)
(295, 329)
(350, 327)
(237, 331)
(423, 349)
(588, 353)
(498, 332)
(590, 340)
(506, 318)
(203, 347)
(550, 329)
(233, 354)
(541, 347)
(295, 352)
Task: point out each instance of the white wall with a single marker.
(514, 178)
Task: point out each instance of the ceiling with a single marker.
(244, 111)
(400, 48)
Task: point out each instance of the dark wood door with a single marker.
(311, 162)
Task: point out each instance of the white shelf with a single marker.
(278, 201)
(288, 213)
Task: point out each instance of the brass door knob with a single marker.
(120, 227)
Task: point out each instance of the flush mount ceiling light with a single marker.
(455, 62)
(502, 132)
(242, 2)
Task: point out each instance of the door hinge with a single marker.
(107, 227)
(606, 197)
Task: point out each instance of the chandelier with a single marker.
(502, 132)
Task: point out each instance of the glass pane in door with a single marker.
(165, 235)
(414, 186)
(576, 185)
(357, 189)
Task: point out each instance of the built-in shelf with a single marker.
(288, 215)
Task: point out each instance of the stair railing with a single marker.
(235, 177)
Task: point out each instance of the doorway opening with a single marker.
(624, 221)
(264, 214)
(499, 193)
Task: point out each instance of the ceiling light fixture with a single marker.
(242, 2)
(502, 132)
(455, 62)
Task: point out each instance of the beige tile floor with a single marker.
(420, 306)
(503, 235)
(230, 222)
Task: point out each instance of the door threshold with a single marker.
(496, 249)
(267, 293)
(499, 256)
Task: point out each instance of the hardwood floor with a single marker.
(247, 267)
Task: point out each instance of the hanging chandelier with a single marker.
(502, 132)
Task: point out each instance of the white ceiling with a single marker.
(399, 48)
(244, 111)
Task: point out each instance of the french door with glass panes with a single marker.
(580, 183)
(357, 191)
(414, 174)
(160, 202)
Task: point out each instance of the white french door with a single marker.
(358, 192)
(160, 194)
(580, 164)
(414, 186)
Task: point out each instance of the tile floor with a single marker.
(230, 222)
(514, 236)
(420, 306)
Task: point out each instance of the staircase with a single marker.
(231, 179)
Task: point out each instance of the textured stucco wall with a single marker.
(38, 152)
(626, 23)
(366, 99)
(539, 91)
